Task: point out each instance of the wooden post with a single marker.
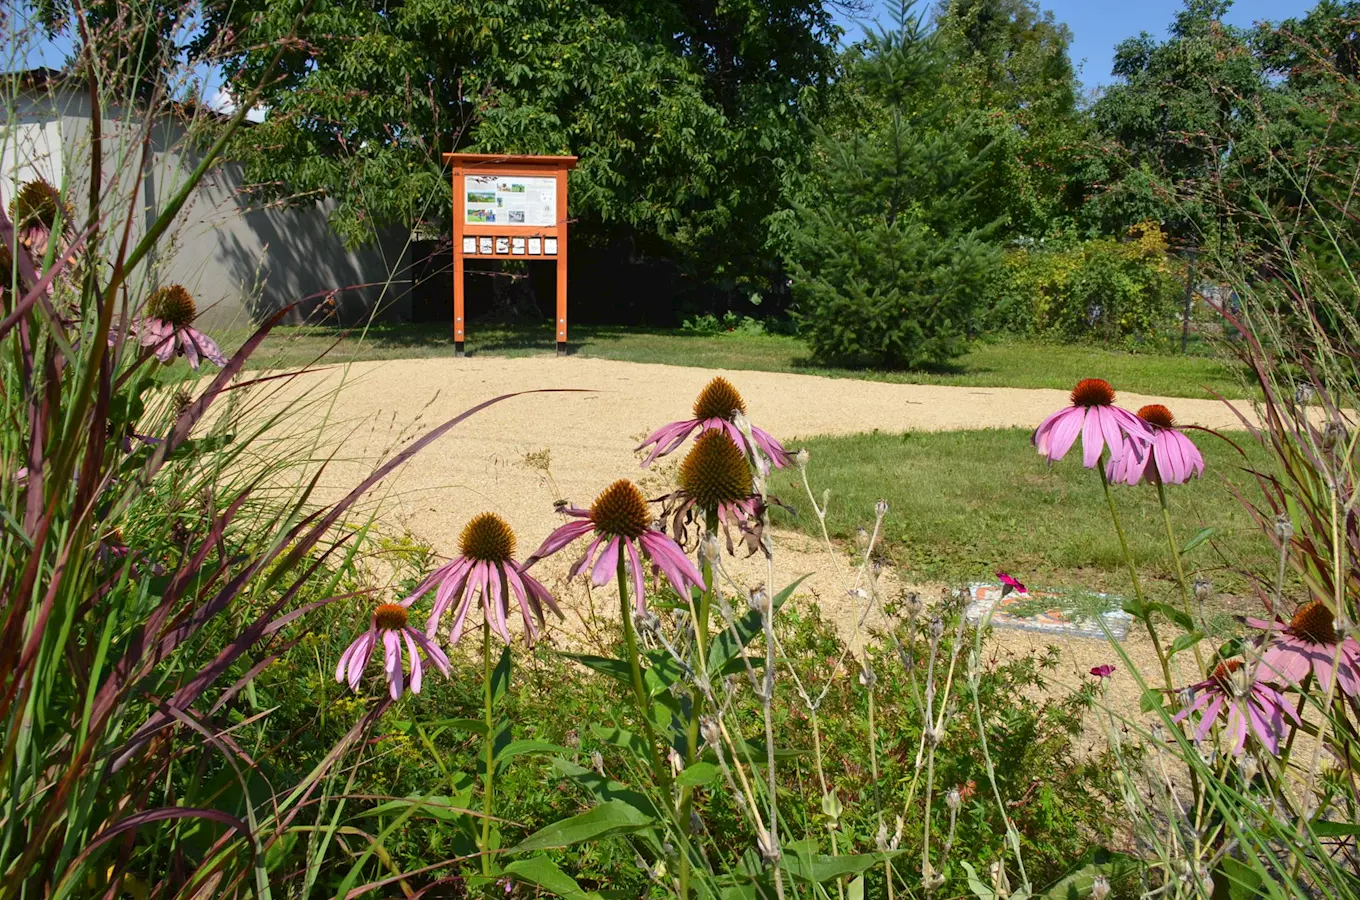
(561, 318)
(459, 323)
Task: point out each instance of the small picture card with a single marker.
(470, 245)
(502, 246)
(535, 246)
(550, 246)
(484, 245)
(517, 246)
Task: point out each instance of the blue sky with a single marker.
(1098, 25)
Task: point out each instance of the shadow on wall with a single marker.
(279, 256)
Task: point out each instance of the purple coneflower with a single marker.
(35, 211)
(485, 565)
(391, 624)
(621, 524)
(1176, 456)
(167, 328)
(1253, 705)
(1100, 423)
(1308, 643)
(715, 408)
(716, 476)
(1010, 583)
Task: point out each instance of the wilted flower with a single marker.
(713, 410)
(1250, 705)
(621, 525)
(1009, 584)
(390, 624)
(167, 328)
(1100, 423)
(715, 476)
(1175, 456)
(1309, 643)
(485, 567)
(953, 799)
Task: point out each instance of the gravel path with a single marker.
(589, 438)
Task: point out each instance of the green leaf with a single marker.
(603, 788)
(1200, 537)
(728, 644)
(698, 774)
(446, 809)
(542, 872)
(1151, 701)
(1134, 607)
(613, 817)
(621, 738)
(856, 889)
(1335, 829)
(1178, 616)
(1186, 641)
(979, 888)
(1236, 880)
(519, 748)
(500, 676)
(617, 669)
(1114, 866)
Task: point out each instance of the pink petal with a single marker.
(606, 565)
(671, 560)
(392, 663)
(416, 672)
(560, 538)
(639, 581)
(667, 438)
(496, 603)
(432, 652)
(1055, 436)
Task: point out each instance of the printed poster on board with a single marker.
(525, 200)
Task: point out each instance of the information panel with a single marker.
(510, 200)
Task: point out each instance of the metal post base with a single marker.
(458, 348)
(561, 348)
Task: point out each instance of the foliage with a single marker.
(683, 115)
(888, 253)
(1115, 291)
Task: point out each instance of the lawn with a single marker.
(963, 504)
(989, 363)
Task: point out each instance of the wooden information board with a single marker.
(509, 207)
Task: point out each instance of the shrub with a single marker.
(1120, 291)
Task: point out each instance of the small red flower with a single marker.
(1104, 671)
(1009, 584)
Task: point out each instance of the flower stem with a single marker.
(1133, 576)
(488, 742)
(699, 666)
(639, 689)
(1180, 567)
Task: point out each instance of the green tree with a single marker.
(684, 112)
(888, 244)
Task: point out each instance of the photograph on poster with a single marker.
(484, 245)
(550, 246)
(469, 245)
(535, 246)
(510, 200)
(502, 245)
(517, 246)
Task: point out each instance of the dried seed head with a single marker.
(715, 471)
(708, 730)
(1092, 392)
(1284, 528)
(487, 538)
(179, 403)
(597, 761)
(953, 799)
(646, 622)
(718, 400)
(172, 303)
(1314, 623)
(1100, 888)
(37, 204)
(1304, 393)
(677, 762)
(881, 508)
(800, 458)
(391, 617)
(620, 510)
(936, 628)
(1248, 766)
(1332, 435)
(769, 849)
(911, 606)
(1204, 589)
(1187, 697)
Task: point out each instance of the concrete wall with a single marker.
(240, 261)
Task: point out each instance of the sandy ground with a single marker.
(495, 460)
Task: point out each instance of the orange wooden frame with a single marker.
(465, 164)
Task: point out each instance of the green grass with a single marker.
(1008, 363)
(965, 504)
